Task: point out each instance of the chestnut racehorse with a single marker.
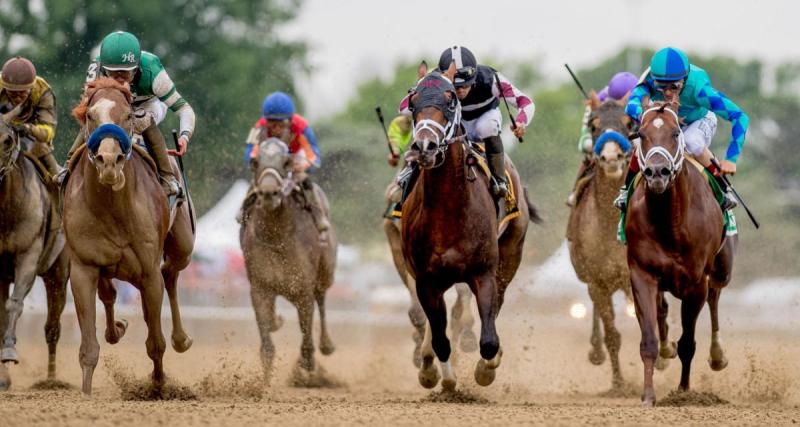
(450, 231)
(676, 244)
(117, 223)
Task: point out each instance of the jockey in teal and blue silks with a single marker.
(671, 76)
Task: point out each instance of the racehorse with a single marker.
(284, 256)
(450, 231)
(31, 244)
(460, 316)
(118, 224)
(676, 244)
(597, 257)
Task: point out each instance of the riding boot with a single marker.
(496, 160)
(51, 165)
(583, 172)
(315, 207)
(729, 201)
(158, 148)
(621, 202)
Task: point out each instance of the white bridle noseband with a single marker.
(676, 161)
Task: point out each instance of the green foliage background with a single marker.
(225, 56)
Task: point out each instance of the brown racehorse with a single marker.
(597, 256)
(284, 256)
(117, 223)
(450, 232)
(30, 245)
(676, 244)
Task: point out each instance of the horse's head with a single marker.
(106, 115)
(610, 126)
(271, 168)
(437, 115)
(660, 147)
(9, 142)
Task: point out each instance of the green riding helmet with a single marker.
(120, 50)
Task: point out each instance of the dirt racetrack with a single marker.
(545, 377)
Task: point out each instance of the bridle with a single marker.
(286, 184)
(444, 134)
(676, 161)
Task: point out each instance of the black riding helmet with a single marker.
(466, 65)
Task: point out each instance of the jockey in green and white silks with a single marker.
(672, 78)
(122, 59)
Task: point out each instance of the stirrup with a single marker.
(621, 202)
(729, 201)
(499, 187)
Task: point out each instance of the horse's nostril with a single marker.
(648, 172)
(620, 156)
(99, 158)
(120, 158)
(665, 171)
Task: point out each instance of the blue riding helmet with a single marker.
(669, 64)
(278, 106)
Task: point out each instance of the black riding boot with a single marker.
(315, 207)
(730, 201)
(155, 142)
(621, 201)
(496, 158)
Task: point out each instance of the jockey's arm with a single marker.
(165, 90)
(307, 142)
(252, 141)
(42, 127)
(399, 133)
(722, 106)
(523, 103)
(634, 107)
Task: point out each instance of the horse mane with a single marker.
(79, 112)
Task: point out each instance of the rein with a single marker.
(676, 161)
(11, 163)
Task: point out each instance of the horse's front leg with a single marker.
(25, 272)
(485, 290)
(152, 296)
(667, 349)
(462, 320)
(83, 279)
(55, 282)
(431, 298)
(181, 341)
(115, 329)
(645, 296)
(690, 309)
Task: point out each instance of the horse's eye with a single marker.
(676, 134)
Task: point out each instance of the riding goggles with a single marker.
(666, 85)
(464, 75)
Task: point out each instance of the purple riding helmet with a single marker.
(621, 84)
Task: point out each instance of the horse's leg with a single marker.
(305, 314)
(485, 289)
(667, 349)
(115, 329)
(181, 341)
(5, 378)
(25, 272)
(152, 297)
(415, 313)
(432, 300)
(325, 343)
(55, 282)
(596, 355)
(645, 296)
(601, 299)
(690, 309)
(83, 279)
(461, 316)
(717, 360)
(264, 307)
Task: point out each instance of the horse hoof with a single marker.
(661, 363)
(5, 379)
(326, 347)
(668, 351)
(597, 356)
(182, 344)
(649, 399)
(120, 326)
(484, 375)
(469, 342)
(718, 365)
(276, 323)
(9, 354)
(428, 374)
(449, 384)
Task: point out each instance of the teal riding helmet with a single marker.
(669, 64)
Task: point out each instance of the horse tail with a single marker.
(533, 212)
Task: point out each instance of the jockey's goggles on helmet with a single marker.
(668, 85)
(464, 76)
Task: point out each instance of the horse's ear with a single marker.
(594, 100)
(422, 70)
(451, 71)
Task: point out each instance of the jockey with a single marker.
(279, 120)
(618, 88)
(400, 135)
(672, 78)
(20, 86)
(478, 87)
(122, 59)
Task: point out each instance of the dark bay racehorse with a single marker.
(284, 256)
(118, 225)
(31, 244)
(450, 231)
(676, 244)
(597, 256)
